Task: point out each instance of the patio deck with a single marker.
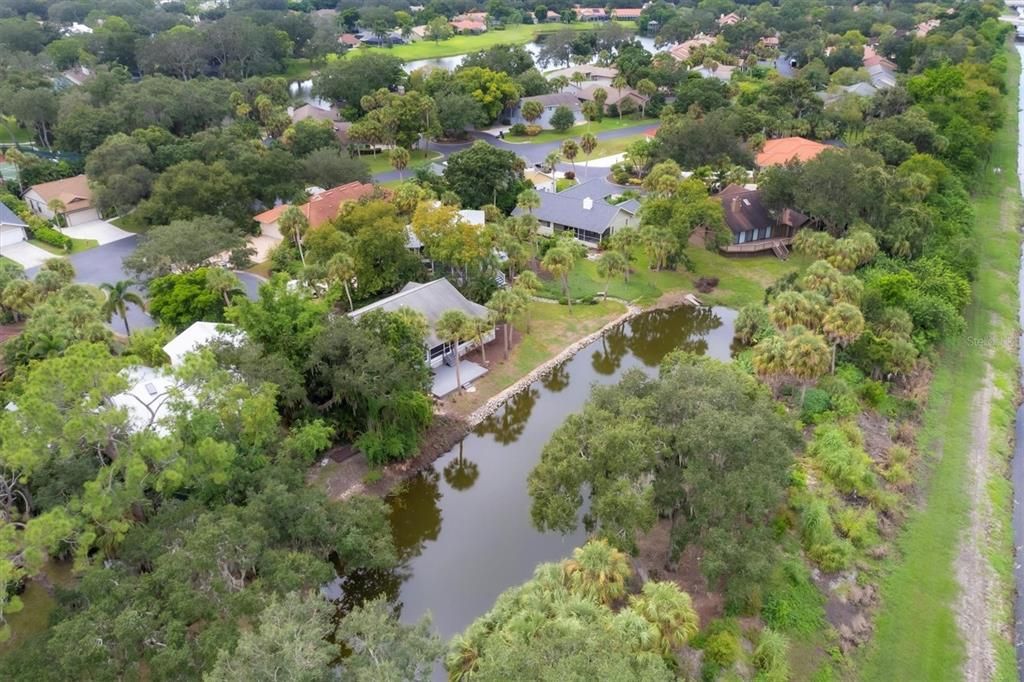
(444, 377)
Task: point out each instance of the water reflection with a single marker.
(507, 424)
(463, 528)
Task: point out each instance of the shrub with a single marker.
(791, 602)
(835, 556)
(722, 648)
(753, 324)
(873, 393)
(771, 657)
(49, 235)
(898, 475)
(562, 119)
(899, 454)
(533, 130)
(859, 525)
(816, 402)
(518, 129)
(837, 451)
(569, 175)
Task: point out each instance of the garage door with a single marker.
(80, 217)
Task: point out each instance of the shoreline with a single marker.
(449, 429)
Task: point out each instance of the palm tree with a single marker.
(415, 320)
(769, 358)
(559, 261)
(588, 143)
(598, 570)
(817, 245)
(577, 78)
(822, 277)
(481, 326)
(618, 83)
(669, 610)
(661, 242)
(506, 304)
(790, 308)
(531, 111)
(528, 283)
(224, 282)
(842, 325)
(600, 97)
(119, 296)
(559, 83)
(806, 358)
(400, 159)
(570, 150)
(342, 268)
(293, 224)
(612, 263)
(528, 200)
(552, 159)
(452, 327)
(647, 88)
(624, 242)
(20, 296)
(58, 208)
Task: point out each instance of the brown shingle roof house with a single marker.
(754, 228)
(74, 193)
(785, 149)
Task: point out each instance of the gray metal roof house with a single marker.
(583, 210)
(12, 228)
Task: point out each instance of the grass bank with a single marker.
(916, 635)
(741, 280)
(552, 329)
(461, 44)
(77, 245)
(605, 125)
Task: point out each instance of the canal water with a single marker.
(1017, 466)
(463, 527)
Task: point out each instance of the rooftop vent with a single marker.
(588, 204)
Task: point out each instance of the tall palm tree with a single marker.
(119, 297)
(619, 82)
(769, 357)
(400, 159)
(822, 277)
(600, 97)
(612, 263)
(806, 358)
(559, 83)
(224, 282)
(58, 208)
(527, 284)
(669, 610)
(552, 159)
(480, 326)
(598, 570)
(792, 308)
(342, 268)
(293, 224)
(647, 88)
(570, 150)
(577, 79)
(842, 325)
(415, 319)
(528, 200)
(452, 327)
(588, 143)
(559, 261)
(506, 304)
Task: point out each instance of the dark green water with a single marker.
(463, 527)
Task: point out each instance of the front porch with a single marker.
(444, 376)
(779, 246)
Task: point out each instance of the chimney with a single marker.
(588, 204)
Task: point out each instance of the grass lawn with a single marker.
(604, 125)
(916, 635)
(381, 162)
(741, 280)
(77, 245)
(562, 184)
(552, 328)
(10, 131)
(298, 68)
(261, 269)
(512, 35)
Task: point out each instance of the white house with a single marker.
(583, 211)
(12, 228)
(198, 335)
(73, 193)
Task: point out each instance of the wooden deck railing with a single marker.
(759, 245)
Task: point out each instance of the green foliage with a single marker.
(838, 451)
(816, 402)
(562, 119)
(721, 643)
(771, 657)
(792, 603)
(384, 649)
(178, 300)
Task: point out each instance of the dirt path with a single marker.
(973, 573)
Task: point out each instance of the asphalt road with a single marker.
(103, 264)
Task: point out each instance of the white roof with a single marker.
(198, 335)
(146, 400)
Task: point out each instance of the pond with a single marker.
(463, 527)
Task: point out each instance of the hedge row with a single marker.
(40, 229)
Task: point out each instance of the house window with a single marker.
(768, 232)
(756, 235)
(742, 238)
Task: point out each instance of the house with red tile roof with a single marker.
(470, 26)
(627, 13)
(730, 19)
(349, 39)
(781, 151)
(683, 50)
(321, 207)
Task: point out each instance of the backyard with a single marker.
(461, 44)
(741, 280)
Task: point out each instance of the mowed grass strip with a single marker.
(916, 636)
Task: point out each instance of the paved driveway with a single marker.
(99, 230)
(103, 264)
(24, 254)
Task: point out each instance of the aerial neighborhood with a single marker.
(508, 341)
